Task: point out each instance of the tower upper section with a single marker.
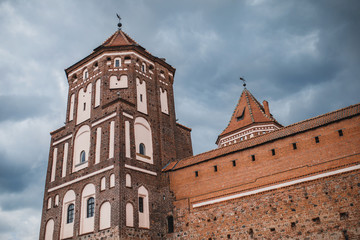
(249, 119)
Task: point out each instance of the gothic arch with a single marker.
(143, 135)
(67, 228)
(143, 207)
(105, 215)
(81, 145)
(49, 230)
(86, 221)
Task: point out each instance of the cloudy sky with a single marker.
(301, 56)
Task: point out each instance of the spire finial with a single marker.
(243, 79)
(119, 24)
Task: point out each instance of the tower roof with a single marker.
(119, 38)
(248, 111)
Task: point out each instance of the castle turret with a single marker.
(248, 120)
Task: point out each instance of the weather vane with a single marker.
(242, 79)
(119, 24)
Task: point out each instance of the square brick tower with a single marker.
(104, 177)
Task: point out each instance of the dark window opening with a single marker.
(273, 152)
(170, 220)
(141, 204)
(294, 146)
(82, 157)
(215, 168)
(317, 139)
(340, 133)
(142, 149)
(96, 64)
(241, 117)
(196, 173)
(108, 59)
(316, 220)
(234, 163)
(344, 216)
(141, 98)
(70, 214)
(228, 236)
(253, 157)
(84, 106)
(90, 207)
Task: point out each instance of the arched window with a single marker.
(143, 207)
(143, 140)
(103, 183)
(170, 220)
(82, 157)
(105, 216)
(90, 207)
(87, 215)
(81, 148)
(70, 213)
(128, 180)
(129, 215)
(112, 180)
(142, 149)
(49, 230)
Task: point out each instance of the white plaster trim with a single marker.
(228, 139)
(81, 178)
(128, 115)
(141, 73)
(62, 139)
(243, 194)
(108, 54)
(140, 170)
(163, 82)
(103, 119)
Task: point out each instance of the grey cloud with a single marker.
(21, 107)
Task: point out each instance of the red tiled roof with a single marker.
(251, 111)
(119, 38)
(302, 126)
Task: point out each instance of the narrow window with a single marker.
(234, 163)
(340, 133)
(141, 204)
(294, 146)
(253, 158)
(84, 106)
(82, 157)
(170, 220)
(143, 67)
(141, 97)
(142, 149)
(90, 207)
(317, 139)
(215, 168)
(273, 151)
(196, 173)
(117, 63)
(70, 213)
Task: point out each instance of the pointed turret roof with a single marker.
(119, 38)
(248, 111)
